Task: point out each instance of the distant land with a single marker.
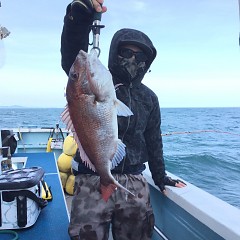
(13, 106)
(17, 106)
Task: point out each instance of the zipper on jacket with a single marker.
(128, 122)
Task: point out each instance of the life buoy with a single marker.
(64, 163)
(69, 146)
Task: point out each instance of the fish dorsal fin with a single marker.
(122, 109)
(65, 116)
(119, 155)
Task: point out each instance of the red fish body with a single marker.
(91, 114)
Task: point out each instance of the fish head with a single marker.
(89, 76)
(78, 78)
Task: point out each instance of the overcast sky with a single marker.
(197, 64)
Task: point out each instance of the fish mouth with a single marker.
(83, 54)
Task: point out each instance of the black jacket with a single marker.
(141, 132)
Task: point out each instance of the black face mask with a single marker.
(131, 66)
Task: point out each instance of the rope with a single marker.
(21, 138)
(10, 232)
(199, 131)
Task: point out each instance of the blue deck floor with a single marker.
(53, 220)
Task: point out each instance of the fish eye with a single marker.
(74, 75)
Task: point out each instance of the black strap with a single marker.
(26, 193)
(61, 133)
(45, 188)
(21, 199)
(21, 211)
(52, 133)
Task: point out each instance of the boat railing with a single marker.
(192, 213)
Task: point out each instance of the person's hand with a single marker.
(88, 6)
(171, 182)
(98, 6)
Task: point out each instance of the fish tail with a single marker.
(108, 190)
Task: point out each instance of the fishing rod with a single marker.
(199, 131)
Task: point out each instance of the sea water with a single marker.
(205, 149)
(201, 145)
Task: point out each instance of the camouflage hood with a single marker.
(134, 37)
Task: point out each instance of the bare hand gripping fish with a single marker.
(91, 114)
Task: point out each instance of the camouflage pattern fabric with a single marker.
(130, 217)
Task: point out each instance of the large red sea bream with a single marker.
(91, 114)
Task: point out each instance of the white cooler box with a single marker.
(20, 197)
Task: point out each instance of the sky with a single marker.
(198, 55)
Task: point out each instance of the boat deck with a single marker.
(53, 220)
(187, 213)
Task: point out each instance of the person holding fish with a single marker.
(115, 120)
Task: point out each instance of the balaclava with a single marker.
(131, 66)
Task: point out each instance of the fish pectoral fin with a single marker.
(119, 154)
(107, 191)
(65, 117)
(85, 159)
(122, 109)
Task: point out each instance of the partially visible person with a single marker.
(130, 57)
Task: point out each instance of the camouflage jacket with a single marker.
(141, 132)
